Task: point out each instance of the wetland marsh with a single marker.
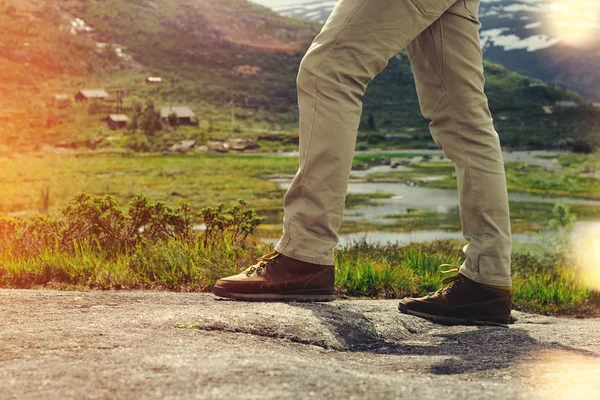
(392, 217)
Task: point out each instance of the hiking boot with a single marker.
(277, 277)
(465, 302)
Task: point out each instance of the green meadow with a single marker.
(96, 244)
(41, 207)
(46, 182)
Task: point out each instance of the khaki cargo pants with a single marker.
(353, 47)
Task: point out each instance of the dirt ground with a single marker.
(149, 345)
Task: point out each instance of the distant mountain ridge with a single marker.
(558, 42)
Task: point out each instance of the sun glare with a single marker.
(563, 375)
(576, 22)
(587, 257)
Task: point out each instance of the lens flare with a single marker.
(575, 22)
(586, 254)
(564, 375)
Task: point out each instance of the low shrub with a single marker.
(101, 225)
(96, 244)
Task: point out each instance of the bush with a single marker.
(100, 225)
(23, 238)
(234, 224)
(583, 146)
(138, 142)
(560, 228)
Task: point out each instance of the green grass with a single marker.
(425, 220)
(391, 271)
(550, 286)
(353, 200)
(363, 270)
(573, 180)
(208, 180)
(537, 180)
(169, 266)
(198, 180)
(98, 245)
(540, 285)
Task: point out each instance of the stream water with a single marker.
(408, 198)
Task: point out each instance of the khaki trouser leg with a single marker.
(447, 63)
(353, 47)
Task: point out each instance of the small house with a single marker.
(60, 100)
(566, 104)
(117, 121)
(153, 80)
(185, 116)
(91, 94)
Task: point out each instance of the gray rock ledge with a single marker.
(149, 345)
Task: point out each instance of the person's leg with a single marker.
(448, 67)
(352, 48)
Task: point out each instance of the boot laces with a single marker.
(456, 279)
(263, 263)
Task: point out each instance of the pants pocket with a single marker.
(472, 6)
(436, 7)
(426, 6)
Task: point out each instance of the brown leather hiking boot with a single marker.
(277, 277)
(465, 302)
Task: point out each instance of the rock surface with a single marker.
(183, 147)
(218, 147)
(242, 144)
(180, 345)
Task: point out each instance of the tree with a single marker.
(371, 123)
(173, 120)
(149, 121)
(560, 229)
(562, 218)
(581, 145)
(133, 124)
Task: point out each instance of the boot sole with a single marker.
(440, 319)
(308, 295)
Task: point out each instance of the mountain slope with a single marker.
(550, 40)
(208, 53)
(556, 42)
(192, 37)
(200, 48)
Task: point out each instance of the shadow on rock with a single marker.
(472, 349)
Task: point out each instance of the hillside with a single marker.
(55, 47)
(207, 54)
(555, 42)
(549, 40)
